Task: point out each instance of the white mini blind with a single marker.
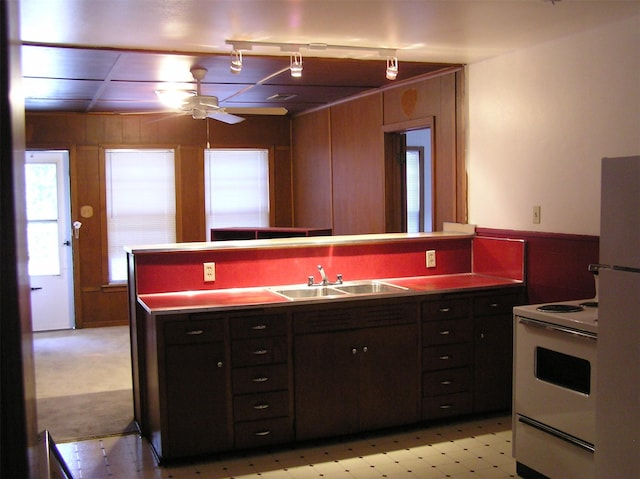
(413, 180)
(236, 188)
(141, 202)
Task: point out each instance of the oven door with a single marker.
(555, 377)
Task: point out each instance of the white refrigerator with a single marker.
(617, 448)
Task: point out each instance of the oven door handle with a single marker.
(555, 327)
(587, 446)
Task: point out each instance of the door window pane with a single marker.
(42, 219)
(141, 204)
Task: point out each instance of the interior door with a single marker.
(49, 240)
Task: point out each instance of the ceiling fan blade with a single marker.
(276, 111)
(225, 117)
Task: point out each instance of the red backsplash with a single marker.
(499, 257)
(238, 268)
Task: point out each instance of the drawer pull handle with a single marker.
(446, 406)
(261, 379)
(494, 305)
(446, 357)
(446, 382)
(263, 433)
(445, 332)
(444, 310)
(195, 332)
(259, 327)
(261, 407)
(220, 364)
(261, 352)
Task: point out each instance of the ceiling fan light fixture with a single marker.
(296, 65)
(174, 98)
(236, 61)
(392, 68)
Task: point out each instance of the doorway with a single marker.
(409, 176)
(49, 239)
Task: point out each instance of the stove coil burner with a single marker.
(560, 308)
(589, 304)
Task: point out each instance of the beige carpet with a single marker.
(83, 383)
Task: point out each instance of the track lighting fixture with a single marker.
(236, 61)
(392, 68)
(296, 65)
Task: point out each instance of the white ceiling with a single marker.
(451, 31)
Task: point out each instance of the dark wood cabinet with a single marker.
(190, 411)
(447, 357)
(493, 350)
(260, 357)
(356, 369)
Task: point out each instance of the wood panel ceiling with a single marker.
(111, 55)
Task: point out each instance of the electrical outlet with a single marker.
(431, 258)
(209, 272)
(536, 215)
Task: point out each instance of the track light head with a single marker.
(392, 68)
(296, 65)
(236, 61)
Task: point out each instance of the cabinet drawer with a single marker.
(263, 433)
(439, 383)
(445, 309)
(250, 352)
(252, 407)
(261, 326)
(446, 406)
(255, 379)
(496, 304)
(446, 332)
(446, 357)
(194, 331)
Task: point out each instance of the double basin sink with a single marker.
(337, 290)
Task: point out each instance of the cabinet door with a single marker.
(326, 384)
(197, 405)
(493, 362)
(389, 387)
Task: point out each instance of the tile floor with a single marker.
(476, 449)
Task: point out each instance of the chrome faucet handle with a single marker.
(339, 278)
(310, 281)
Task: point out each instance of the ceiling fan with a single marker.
(201, 106)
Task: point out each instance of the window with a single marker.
(141, 202)
(236, 188)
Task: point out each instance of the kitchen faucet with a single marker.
(325, 281)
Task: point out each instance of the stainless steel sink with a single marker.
(337, 290)
(369, 287)
(307, 292)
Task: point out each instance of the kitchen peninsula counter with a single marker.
(231, 364)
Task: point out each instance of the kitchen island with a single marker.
(234, 364)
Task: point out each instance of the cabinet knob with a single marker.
(354, 351)
(365, 349)
(220, 364)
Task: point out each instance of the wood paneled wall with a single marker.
(87, 135)
(345, 144)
